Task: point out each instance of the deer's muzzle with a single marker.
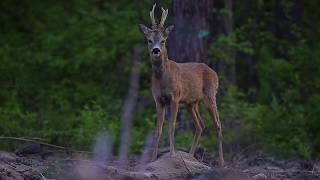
(155, 51)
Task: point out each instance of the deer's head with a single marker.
(157, 35)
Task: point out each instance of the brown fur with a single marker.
(174, 83)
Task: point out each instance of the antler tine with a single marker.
(163, 17)
(153, 20)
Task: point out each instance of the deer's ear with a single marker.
(146, 31)
(168, 30)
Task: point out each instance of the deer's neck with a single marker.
(159, 64)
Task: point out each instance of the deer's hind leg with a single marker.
(193, 109)
(210, 102)
(199, 116)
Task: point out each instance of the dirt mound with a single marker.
(181, 166)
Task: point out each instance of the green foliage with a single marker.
(224, 46)
(184, 139)
(14, 120)
(92, 120)
(65, 68)
(283, 130)
(239, 121)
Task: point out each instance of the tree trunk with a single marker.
(129, 105)
(189, 41)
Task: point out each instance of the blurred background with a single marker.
(70, 69)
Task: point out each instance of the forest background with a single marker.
(67, 72)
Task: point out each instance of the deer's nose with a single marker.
(155, 50)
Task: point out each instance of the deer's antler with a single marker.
(163, 17)
(153, 20)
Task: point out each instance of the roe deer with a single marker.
(174, 83)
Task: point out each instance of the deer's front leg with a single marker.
(160, 120)
(172, 125)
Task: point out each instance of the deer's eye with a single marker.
(162, 42)
(149, 41)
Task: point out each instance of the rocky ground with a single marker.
(57, 165)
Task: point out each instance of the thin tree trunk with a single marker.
(228, 25)
(129, 105)
(226, 68)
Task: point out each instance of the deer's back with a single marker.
(197, 80)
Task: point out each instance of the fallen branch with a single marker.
(44, 144)
(36, 138)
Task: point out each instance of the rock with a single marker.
(5, 156)
(260, 176)
(275, 169)
(316, 167)
(30, 148)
